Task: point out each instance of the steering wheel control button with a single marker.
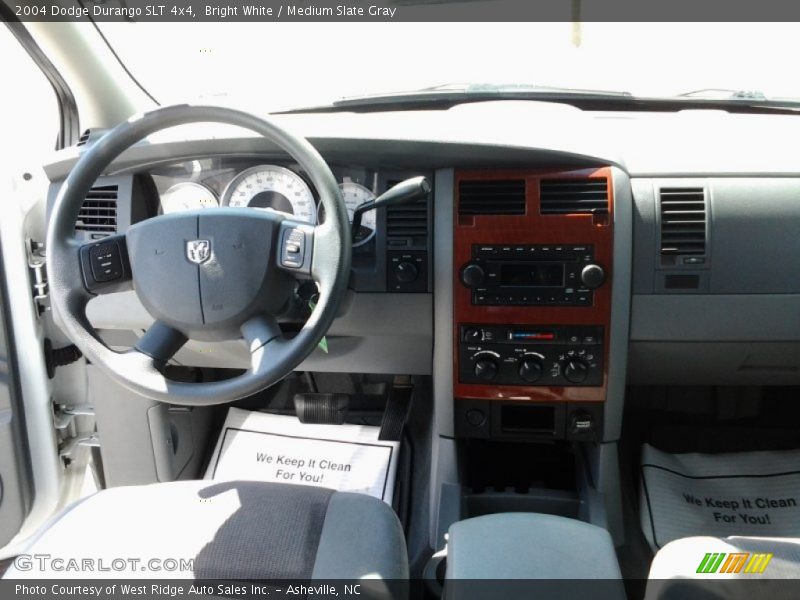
(293, 248)
(106, 262)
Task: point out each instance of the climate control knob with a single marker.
(530, 369)
(575, 370)
(485, 368)
(473, 275)
(593, 276)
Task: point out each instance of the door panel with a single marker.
(15, 479)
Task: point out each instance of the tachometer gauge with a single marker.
(187, 195)
(354, 196)
(277, 188)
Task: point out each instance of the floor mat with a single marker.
(267, 447)
(739, 493)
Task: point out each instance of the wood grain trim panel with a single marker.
(533, 228)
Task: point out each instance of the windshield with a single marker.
(276, 66)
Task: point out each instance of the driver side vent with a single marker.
(683, 221)
(90, 135)
(98, 214)
(84, 137)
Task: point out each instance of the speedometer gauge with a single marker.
(273, 187)
(354, 196)
(187, 195)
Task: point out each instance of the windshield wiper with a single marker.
(447, 96)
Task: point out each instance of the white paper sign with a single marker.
(266, 447)
(740, 493)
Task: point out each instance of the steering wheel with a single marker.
(210, 274)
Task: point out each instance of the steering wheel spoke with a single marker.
(160, 342)
(260, 330)
(105, 267)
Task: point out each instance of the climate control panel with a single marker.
(527, 355)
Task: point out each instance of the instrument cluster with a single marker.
(284, 188)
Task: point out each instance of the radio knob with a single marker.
(485, 368)
(576, 370)
(530, 369)
(593, 276)
(472, 275)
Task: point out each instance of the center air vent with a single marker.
(574, 196)
(491, 197)
(98, 214)
(683, 221)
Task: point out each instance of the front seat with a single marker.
(705, 567)
(220, 530)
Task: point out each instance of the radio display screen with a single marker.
(532, 274)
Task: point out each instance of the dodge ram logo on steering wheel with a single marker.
(198, 251)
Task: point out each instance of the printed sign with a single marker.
(265, 447)
(748, 493)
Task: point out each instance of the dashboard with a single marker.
(680, 267)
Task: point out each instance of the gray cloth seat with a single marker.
(220, 530)
(702, 567)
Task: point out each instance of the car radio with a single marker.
(532, 275)
(528, 355)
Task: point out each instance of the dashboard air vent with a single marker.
(574, 196)
(683, 221)
(407, 221)
(98, 214)
(491, 197)
(84, 137)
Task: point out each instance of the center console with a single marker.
(532, 303)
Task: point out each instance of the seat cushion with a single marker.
(220, 530)
(731, 567)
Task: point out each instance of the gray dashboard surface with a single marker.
(753, 173)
